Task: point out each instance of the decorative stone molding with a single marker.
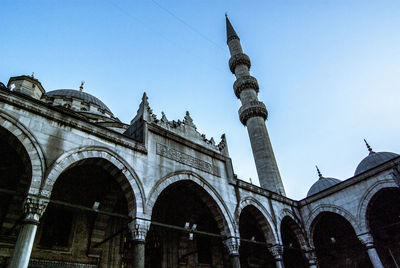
(232, 244)
(185, 128)
(252, 109)
(277, 252)
(139, 228)
(239, 59)
(34, 208)
(232, 37)
(245, 82)
(367, 240)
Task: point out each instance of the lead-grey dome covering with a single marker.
(322, 184)
(71, 93)
(374, 160)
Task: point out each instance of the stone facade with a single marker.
(86, 190)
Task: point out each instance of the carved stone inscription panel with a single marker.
(186, 159)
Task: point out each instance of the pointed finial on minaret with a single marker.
(319, 173)
(230, 32)
(145, 99)
(81, 87)
(368, 147)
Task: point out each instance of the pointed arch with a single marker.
(124, 174)
(366, 199)
(312, 219)
(31, 146)
(298, 231)
(262, 216)
(212, 198)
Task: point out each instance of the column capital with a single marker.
(277, 252)
(34, 208)
(367, 240)
(232, 244)
(139, 228)
(311, 256)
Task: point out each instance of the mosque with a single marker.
(80, 188)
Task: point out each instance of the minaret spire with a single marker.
(253, 114)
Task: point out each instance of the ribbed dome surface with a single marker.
(322, 184)
(71, 93)
(374, 160)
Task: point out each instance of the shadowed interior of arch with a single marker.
(292, 237)
(185, 204)
(15, 178)
(95, 237)
(336, 243)
(254, 227)
(383, 215)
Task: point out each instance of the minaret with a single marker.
(253, 114)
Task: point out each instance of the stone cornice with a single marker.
(264, 192)
(66, 118)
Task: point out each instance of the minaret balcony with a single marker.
(252, 109)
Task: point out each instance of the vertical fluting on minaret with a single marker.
(253, 114)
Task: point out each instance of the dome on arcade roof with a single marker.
(71, 93)
(322, 184)
(373, 160)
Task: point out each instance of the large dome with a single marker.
(374, 160)
(322, 184)
(71, 93)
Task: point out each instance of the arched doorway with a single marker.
(336, 243)
(293, 255)
(383, 216)
(253, 249)
(179, 208)
(15, 179)
(86, 221)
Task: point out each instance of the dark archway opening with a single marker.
(336, 243)
(253, 245)
(15, 179)
(293, 255)
(185, 204)
(71, 224)
(383, 216)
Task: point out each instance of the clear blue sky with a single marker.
(329, 71)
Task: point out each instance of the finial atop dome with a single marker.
(81, 87)
(319, 172)
(33, 75)
(368, 147)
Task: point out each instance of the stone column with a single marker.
(139, 228)
(277, 253)
(312, 258)
(232, 244)
(33, 210)
(368, 241)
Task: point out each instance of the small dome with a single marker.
(374, 160)
(322, 184)
(71, 93)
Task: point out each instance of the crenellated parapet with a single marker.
(252, 109)
(184, 128)
(187, 129)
